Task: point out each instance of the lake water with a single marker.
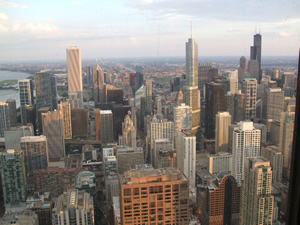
(11, 93)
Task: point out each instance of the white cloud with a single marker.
(3, 28)
(3, 16)
(6, 4)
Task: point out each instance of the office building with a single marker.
(233, 81)
(139, 78)
(250, 92)
(191, 92)
(13, 178)
(245, 143)
(128, 137)
(229, 104)
(65, 109)
(28, 115)
(86, 181)
(239, 99)
(128, 157)
(106, 126)
(39, 118)
(45, 90)
(149, 107)
(72, 207)
(26, 92)
(275, 104)
(220, 200)
(99, 92)
(186, 155)
(223, 121)
(204, 76)
(164, 154)
(215, 102)
(74, 100)
(43, 210)
(75, 73)
(161, 196)
(80, 122)
(255, 53)
(114, 94)
(55, 180)
(256, 199)
(253, 69)
(112, 187)
(4, 118)
(12, 112)
(222, 161)
(53, 129)
(13, 136)
(242, 68)
(273, 154)
(286, 135)
(110, 166)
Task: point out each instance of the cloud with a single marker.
(3, 16)
(7, 5)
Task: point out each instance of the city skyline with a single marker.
(149, 28)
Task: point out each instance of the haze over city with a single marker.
(42, 30)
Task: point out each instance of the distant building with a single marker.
(53, 129)
(255, 53)
(106, 126)
(110, 166)
(80, 122)
(112, 187)
(65, 109)
(23, 217)
(28, 115)
(164, 154)
(128, 137)
(12, 112)
(155, 189)
(222, 161)
(246, 143)
(129, 157)
(139, 77)
(98, 80)
(256, 200)
(72, 207)
(75, 73)
(4, 117)
(149, 105)
(13, 178)
(13, 136)
(26, 92)
(223, 121)
(86, 181)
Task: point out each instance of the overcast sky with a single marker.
(41, 29)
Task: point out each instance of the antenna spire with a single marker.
(191, 29)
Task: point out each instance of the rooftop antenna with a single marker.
(255, 28)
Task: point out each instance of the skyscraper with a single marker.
(26, 92)
(13, 177)
(154, 196)
(223, 121)
(256, 199)
(12, 112)
(106, 126)
(128, 137)
(192, 94)
(275, 104)
(215, 102)
(4, 117)
(250, 92)
(45, 90)
(186, 155)
(75, 72)
(242, 68)
(255, 52)
(98, 80)
(148, 97)
(65, 109)
(246, 143)
(139, 77)
(53, 129)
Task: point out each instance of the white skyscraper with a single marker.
(75, 73)
(223, 121)
(246, 143)
(186, 155)
(191, 92)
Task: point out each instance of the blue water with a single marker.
(11, 93)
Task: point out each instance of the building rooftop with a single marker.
(121, 148)
(116, 204)
(152, 175)
(33, 138)
(105, 112)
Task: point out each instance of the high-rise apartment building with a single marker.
(186, 155)
(127, 158)
(74, 207)
(255, 53)
(53, 129)
(223, 121)
(275, 104)
(273, 154)
(215, 102)
(222, 161)
(4, 117)
(182, 117)
(12, 112)
(286, 139)
(246, 143)
(99, 92)
(154, 196)
(45, 90)
(256, 199)
(149, 107)
(128, 137)
(75, 73)
(26, 92)
(191, 92)
(65, 109)
(13, 136)
(35, 149)
(250, 92)
(13, 178)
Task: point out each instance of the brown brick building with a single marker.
(154, 196)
